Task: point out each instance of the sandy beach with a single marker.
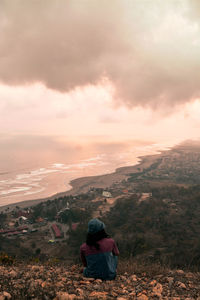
(83, 184)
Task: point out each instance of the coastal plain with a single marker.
(83, 184)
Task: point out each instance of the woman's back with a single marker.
(100, 259)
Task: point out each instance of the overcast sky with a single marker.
(120, 68)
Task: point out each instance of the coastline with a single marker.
(83, 184)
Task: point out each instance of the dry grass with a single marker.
(132, 266)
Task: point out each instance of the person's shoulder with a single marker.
(83, 246)
(111, 240)
(108, 240)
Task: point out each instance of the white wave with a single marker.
(15, 181)
(67, 172)
(42, 171)
(93, 161)
(39, 178)
(3, 181)
(14, 190)
(23, 176)
(85, 164)
(34, 192)
(98, 157)
(58, 165)
(61, 166)
(34, 184)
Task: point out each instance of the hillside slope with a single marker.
(64, 283)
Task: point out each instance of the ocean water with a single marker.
(35, 172)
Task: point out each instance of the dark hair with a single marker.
(92, 239)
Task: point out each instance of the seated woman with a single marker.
(99, 253)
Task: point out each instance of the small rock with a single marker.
(95, 286)
(133, 278)
(35, 268)
(73, 268)
(180, 272)
(189, 275)
(80, 292)
(91, 279)
(113, 294)
(6, 295)
(123, 277)
(181, 285)
(98, 281)
(84, 282)
(58, 284)
(157, 290)
(153, 282)
(142, 297)
(13, 274)
(170, 279)
(43, 284)
(63, 279)
(132, 293)
(98, 295)
(124, 291)
(64, 296)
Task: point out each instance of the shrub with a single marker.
(5, 259)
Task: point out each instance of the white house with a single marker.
(106, 194)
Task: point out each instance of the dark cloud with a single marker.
(148, 50)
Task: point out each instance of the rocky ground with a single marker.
(66, 283)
